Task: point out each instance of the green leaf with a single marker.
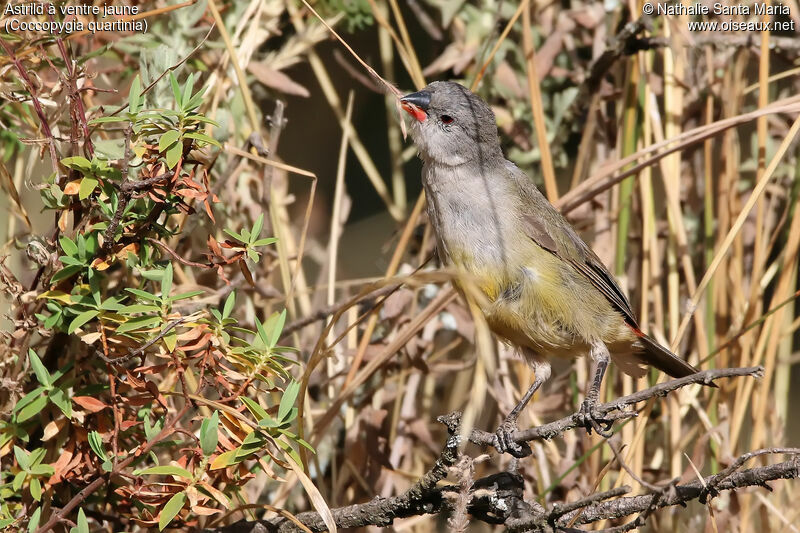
(138, 308)
(166, 282)
(83, 524)
(66, 272)
(140, 322)
(253, 407)
(143, 294)
(257, 227)
(288, 399)
(253, 442)
(187, 90)
(166, 470)
(68, 246)
(174, 155)
(203, 138)
(185, 295)
(33, 523)
(208, 434)
(134, 95)
(264, 242)
(201, 118)
(88, 185)
(152, 431)
(61, 371)
(42, 470)
(77, 163)
(274, 326)
(23, 457)
(32, 409)
(262, 333)
(171, 340)
(42, 375)
(228, 307)
(113, 304)
(290, 416)
(289, 450)
(36, 489)
(19, 480)
(69, 260)
(154, 274)
(60, 398)
(195, 101)
(106, 120)
(82, 319)
(96, 444)
(169, 138)
(52, 320)
(176, 90)
(268, 422)
(36, 457)
(253, 255)
(235, 235)
(94, 285)
(305, 445)
(171, 510)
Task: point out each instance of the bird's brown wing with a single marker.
(570, 248)
(550, 230)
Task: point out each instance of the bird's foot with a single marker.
(593, 420)
(504, 442)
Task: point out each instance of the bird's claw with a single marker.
(504, 442)
(592, 420)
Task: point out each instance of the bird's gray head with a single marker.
(450, 125)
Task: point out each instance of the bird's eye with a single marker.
(447, 119)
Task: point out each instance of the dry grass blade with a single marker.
(386, 85)
(607, 178)
(537, 107)
(737, 226)
(522, 6)
(314, 495)
(277, 164)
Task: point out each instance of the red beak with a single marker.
(416, 104)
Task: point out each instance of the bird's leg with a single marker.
(504, 441)
(592, 419)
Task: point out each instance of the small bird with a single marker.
(546, 292)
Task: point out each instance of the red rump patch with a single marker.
(636, 331)
(414, 111)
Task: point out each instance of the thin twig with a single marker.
(139, 351)
(325, 312)
(175, 255)
(553, 429)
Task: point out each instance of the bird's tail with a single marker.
(664, 360)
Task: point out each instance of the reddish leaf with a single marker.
(93, 405)
(247, 275)
(214, 246)
(125, 425)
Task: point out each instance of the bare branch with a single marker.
(614, 410)
(498, 498)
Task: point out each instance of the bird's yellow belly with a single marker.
(531, 303)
